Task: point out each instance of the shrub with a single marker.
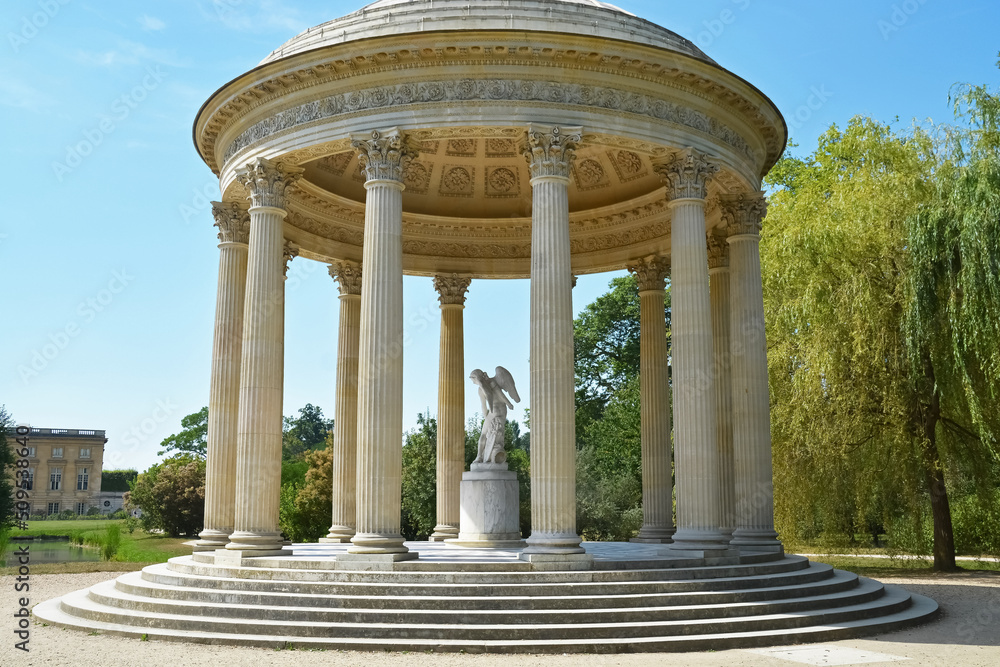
(171, 496)
(112, 541)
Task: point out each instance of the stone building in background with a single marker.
(64, 468)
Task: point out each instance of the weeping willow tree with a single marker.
(882, 290)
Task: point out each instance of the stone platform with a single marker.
(634, 599)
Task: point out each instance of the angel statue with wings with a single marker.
(495, 404)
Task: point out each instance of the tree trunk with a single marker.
(944, 534)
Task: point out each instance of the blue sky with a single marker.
(108, 259)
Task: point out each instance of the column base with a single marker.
(375, 543)
(443, 532)
(654, 535)
(694, 543)
(252, 541)
(515, 543)
(372, 561)
(554, 543)
(555, 562)
(757, 540)
(210, 540)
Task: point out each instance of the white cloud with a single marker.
(254, 16)
(19, 95)
(131, 53)
(151, 23)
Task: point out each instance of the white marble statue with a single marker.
(495, 404)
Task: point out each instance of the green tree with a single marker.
(880, 255)
(7, 477)
(305, 511)
(307, 431)
(171, 495)
(117, 480)
(192, 439)
(419, 507)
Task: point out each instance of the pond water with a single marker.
(49, 551)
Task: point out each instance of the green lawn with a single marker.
(137, 549)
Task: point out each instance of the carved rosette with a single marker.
(348, 277)
(550, 150)
(686, 174)
(651, 273)
(267, 181)
(718, 250)
(290, 252)
(384, 156)
(233, 222)
(451, 289)
(743, 214)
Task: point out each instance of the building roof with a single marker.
(398, 17)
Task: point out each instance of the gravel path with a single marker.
(967, 633)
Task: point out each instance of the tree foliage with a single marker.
(7, 477)
(880, 256)
(419, 505)
(192, 439)
(117, 480)
(171, 495)
(305, 510)
(307, 431)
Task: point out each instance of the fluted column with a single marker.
(451, 405)
(751, 409)
(549, 151)
(233, 222)
(657, 487)
(718, 271)
(384, 156)
(696, 457)
(345, 412)
(258, 466)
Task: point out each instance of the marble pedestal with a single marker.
(489, 508)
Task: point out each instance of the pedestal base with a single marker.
(489, 508)
(245, 556)
(370, 562)
(558, 562)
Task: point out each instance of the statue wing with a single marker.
(505, 381)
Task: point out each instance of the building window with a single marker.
(81, 508)
(85, 452)
(53, 508)
(28, 481)
(31, 452)
(82, 479)
(55, 480)
(57, 452)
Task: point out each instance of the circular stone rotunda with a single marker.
(465, 141)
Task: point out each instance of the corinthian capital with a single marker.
(743, 214)
(550, 150)
(267, 181)
(451, 289)
(686, 174)
(233, 222)
(348, 277)
(718, 250)
(384, 155)
(290, 252)
(651, 272)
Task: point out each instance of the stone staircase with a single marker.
(501, 606)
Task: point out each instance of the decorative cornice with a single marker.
(686, 174)
(384, 155)
(550, 150)
(651, 273)
(743, 214)
(718, 250)
(233, 222)
(289, 252)
(451, 289)
(348, 277)
(267, 181)
(489, 91)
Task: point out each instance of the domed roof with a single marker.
(397, 17)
